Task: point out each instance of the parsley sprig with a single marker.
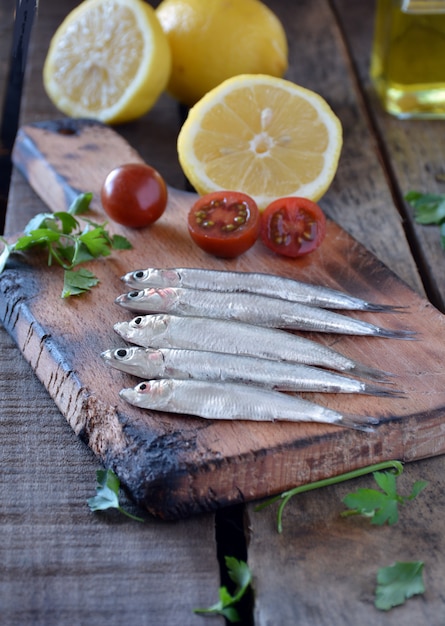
(107, 494)
(396, 466)
(429, 209)
(241, 575)
(68, 243)
(381, 506)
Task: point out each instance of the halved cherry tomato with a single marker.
(292, 226)
(134, 195)
(224, 223)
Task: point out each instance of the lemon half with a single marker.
(261, 135)
(109, 60)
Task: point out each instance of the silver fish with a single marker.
(250, 308)
(251, 282)
(232, 401)
(149, 363)
(214, 335)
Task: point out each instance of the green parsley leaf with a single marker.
(118, 242)
(38, 221)
(107, 496)
(429, 209)
(68, 243)
(80, 204)
(77, 282)
(75, 254)
(107, 491)
(39, 236)
(380, 506)
(96, 242)
(69, 223)
(241, 575)
(397, 583)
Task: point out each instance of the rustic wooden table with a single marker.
(62, 564)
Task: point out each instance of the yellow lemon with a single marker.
(261, 135)
(109, 60)
(212, 40)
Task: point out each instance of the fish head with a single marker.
(153, 277)
(150, 300)
(150, 394)
(134, 360)
(143, 330)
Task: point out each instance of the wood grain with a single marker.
(413, 151)
(62, 565)
(177, 466)
(57, 556)
(322, 569)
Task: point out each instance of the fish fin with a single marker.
(364, 423)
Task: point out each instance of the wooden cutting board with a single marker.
(176, 465)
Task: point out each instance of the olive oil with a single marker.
(408, 57)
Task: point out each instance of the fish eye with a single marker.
(139, 275)
(142, 387)
(133, 294)
(121, 353)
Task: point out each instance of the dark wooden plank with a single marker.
(322, 569)
(413, 149)
(62, 564)
(378, 194)
(6, 29)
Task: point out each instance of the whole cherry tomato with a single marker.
(134, 195)
(292, 226)
(224, 223)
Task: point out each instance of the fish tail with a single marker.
(376, 390)
(385, 308)
(364, 423)
(364, 371)
(395, 334)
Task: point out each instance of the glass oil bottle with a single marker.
(408, 57)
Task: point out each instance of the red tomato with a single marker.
(293, 226)
(224, 223)
(134, 195)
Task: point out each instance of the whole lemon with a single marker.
(212, 40)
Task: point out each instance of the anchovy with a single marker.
(150, 363)
(214, 335)
(250, 308)
(230, 401)
(251, 282)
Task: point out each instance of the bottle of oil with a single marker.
(408, 57)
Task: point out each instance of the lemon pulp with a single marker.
(109, 60)
(261, 135)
